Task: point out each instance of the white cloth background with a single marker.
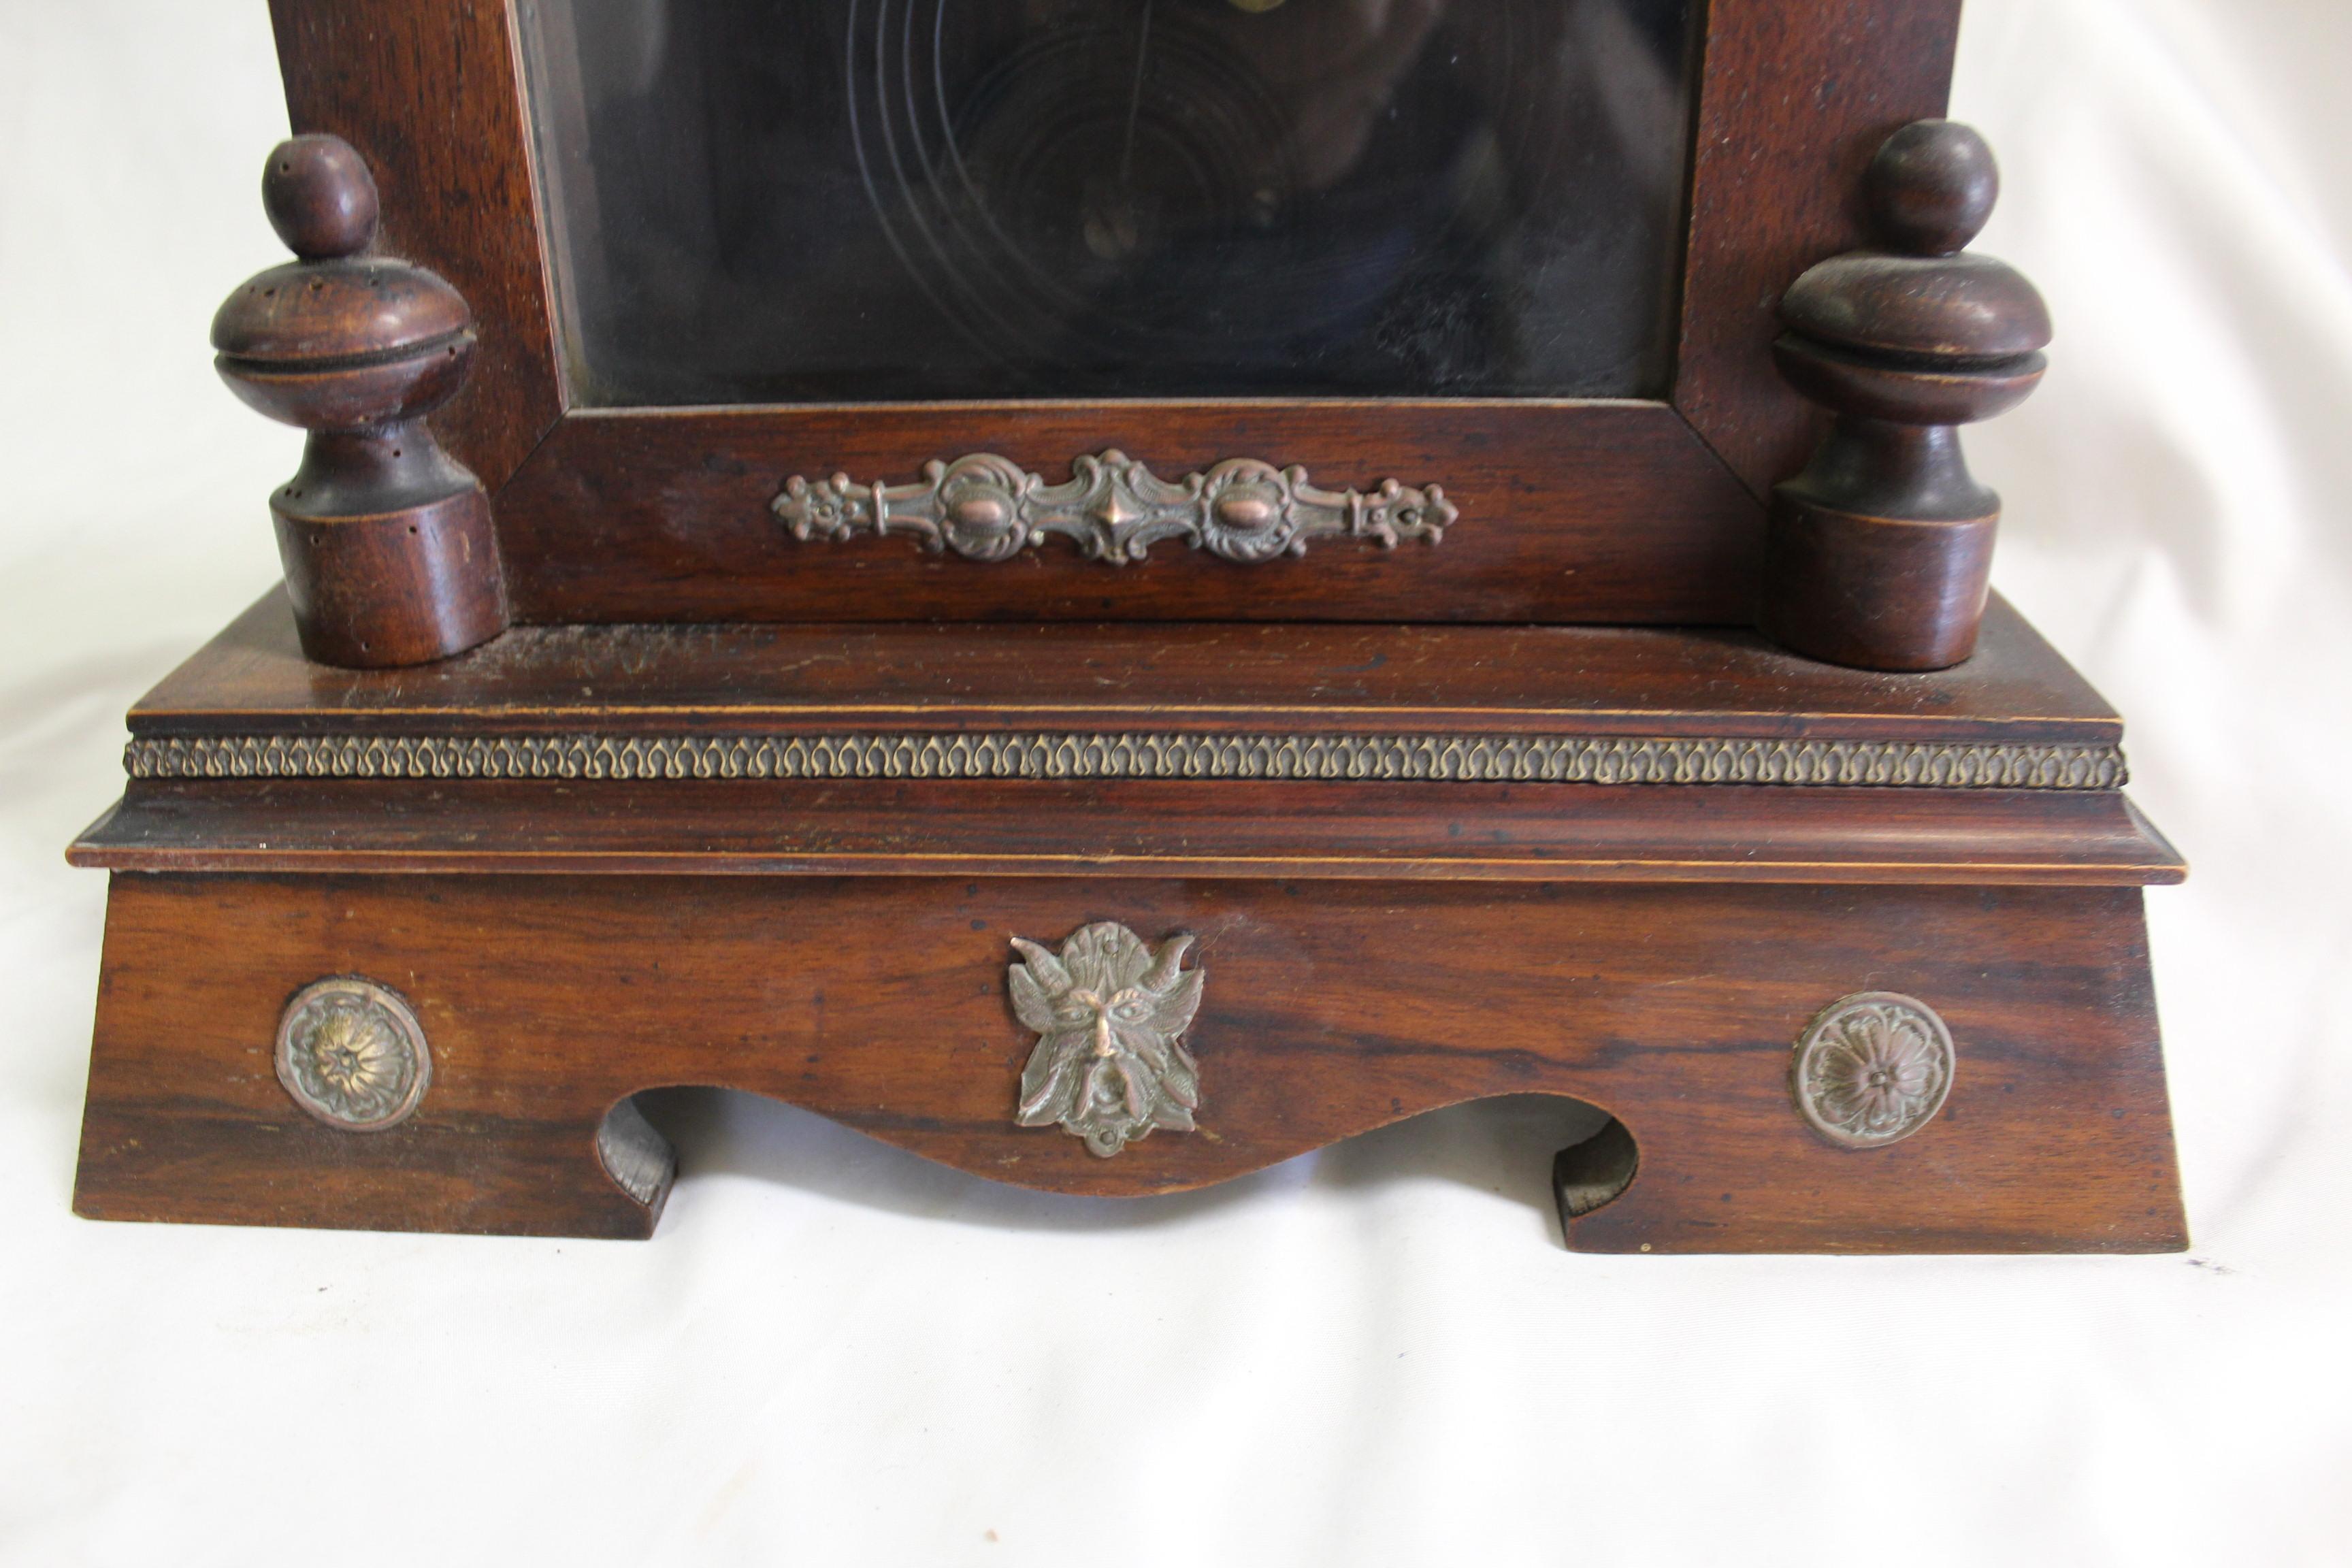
(836, 1354)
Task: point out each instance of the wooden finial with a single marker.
(389, 554)
(320, 197)
(1879, 552)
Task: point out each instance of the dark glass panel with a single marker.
(849, 200)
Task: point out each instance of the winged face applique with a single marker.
(1110, 1065)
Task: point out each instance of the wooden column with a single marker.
(389, 554)
(1880, 552)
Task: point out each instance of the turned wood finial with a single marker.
(1879, 552)
(386, 539)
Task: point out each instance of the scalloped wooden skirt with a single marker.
(1330, 1007)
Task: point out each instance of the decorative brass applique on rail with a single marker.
(1110, 1065)
(985, 508)
(1031, 755)
(1873, 1068)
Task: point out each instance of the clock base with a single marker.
(385, 951)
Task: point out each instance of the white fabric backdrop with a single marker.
(836, 1353)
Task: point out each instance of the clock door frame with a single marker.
(1608, 510)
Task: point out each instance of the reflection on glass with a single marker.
(839, 200)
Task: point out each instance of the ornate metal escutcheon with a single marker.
(1110, 1066)
(352, 1053)
(986, 508)
(1873, 1068)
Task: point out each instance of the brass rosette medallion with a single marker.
(1873, 1068)
(352, 1053)
(1110, 1064)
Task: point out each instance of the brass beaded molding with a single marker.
(1443, 759)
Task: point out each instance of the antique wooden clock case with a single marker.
(1070, 658)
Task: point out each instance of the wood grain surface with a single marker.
(743, 679)
(1798, 96)
(1329, 1008)
(1670, 833)
(1600, 511)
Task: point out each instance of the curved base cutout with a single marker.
(636, 1155)
(1594, 1173)
(650, 1136)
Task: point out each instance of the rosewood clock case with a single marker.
(736, 632)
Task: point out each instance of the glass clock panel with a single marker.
(855, 200)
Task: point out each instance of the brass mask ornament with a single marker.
(1110, 1066)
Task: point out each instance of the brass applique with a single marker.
(1111, 1065)
(986, 508)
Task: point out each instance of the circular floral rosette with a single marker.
(1873, 1068)
(352, 1053)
